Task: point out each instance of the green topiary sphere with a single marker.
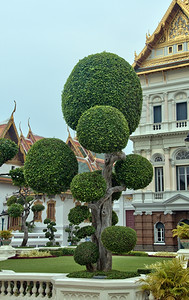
(86, 253)
(88, 186)
(103, 129)
(119, 239)
(102, 79)
(114, 218)
(115, 182)
(50, 166)
(78, 214)
(15, 210)
(85, 231)
(135, 172)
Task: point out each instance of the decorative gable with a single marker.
(169, 44)
(179, 27)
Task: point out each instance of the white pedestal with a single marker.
(184, 254)
(6, 252)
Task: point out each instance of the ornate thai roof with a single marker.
(8, 131)
(168, 46)
(88, 161)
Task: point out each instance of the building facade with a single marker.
(163, 69)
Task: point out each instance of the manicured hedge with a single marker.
(88, 186)
(103, 129)
(135, 172)
(119, 239)
(102, 79)
(50, 166)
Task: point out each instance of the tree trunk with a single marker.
(25, 238)
(102, 212)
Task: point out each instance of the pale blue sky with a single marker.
(42, 40)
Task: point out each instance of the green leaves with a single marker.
(119, 239)
(50, 166)
(135, 172)
(8, 149)
(17, 176)
(103, 129)
(88, 186)
(78, 214)
(15, 210)
(102, 79)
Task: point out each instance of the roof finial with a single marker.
(69, 135)
(14, 109)
(29, 124)
(20, 128)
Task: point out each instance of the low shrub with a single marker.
(138, 253)
(165, 254)
(113, 274)
(68, 251)
(168, 280)
(34, 253)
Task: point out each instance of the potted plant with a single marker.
(182, 231)
(5, 236)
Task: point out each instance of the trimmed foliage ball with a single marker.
(103, 129)
(8, 149)
(86, 253)
(15, 210)
(114, 218)
(115, 182)
(50, 166)
(135, 171)
(102, 79)
(85, 231)
(119, 239)
(88, 186)
(78, 214)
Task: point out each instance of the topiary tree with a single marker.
(50, 232)
(119, 239)
(8, 149)
(86, 254)
(21, 203)
(50, 166)
(102, 101)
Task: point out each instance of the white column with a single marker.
(167, 174)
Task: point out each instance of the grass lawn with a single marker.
(66, 264)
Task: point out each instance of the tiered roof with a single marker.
(173, 29)
(88, 161)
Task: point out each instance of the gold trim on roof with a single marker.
(174, 27)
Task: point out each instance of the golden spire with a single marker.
(29, 124)
(13, 109)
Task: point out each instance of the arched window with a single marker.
(159, 236)
(158, 158)
(182, 155)
(182, 170)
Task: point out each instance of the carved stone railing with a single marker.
(25, 286)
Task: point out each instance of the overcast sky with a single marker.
(42, 40)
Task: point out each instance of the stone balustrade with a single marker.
(38, 286)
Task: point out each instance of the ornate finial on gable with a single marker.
(14, 109)
(69, 135)
(29, 124)
(148, 36)
(20, 128)
(135, 55)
